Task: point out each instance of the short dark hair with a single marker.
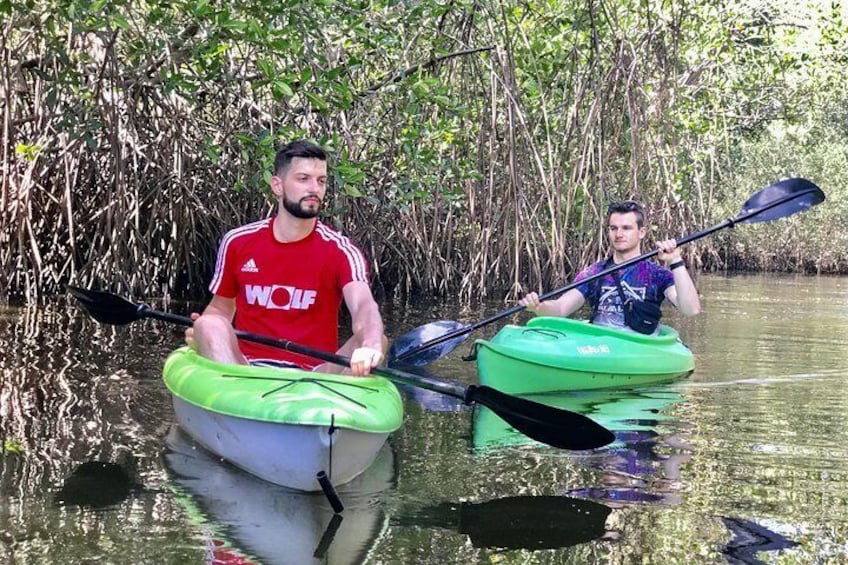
(626, 206)
(297, 148)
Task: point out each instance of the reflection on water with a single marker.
(431, 400)
(769, 327)
(749, 539)
(73, 396)
(518, 522)
(243, 515)
(96, 484)
(754, 441)
(640, 466)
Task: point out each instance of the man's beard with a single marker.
(296, 210)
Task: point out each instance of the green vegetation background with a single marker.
(475, 144)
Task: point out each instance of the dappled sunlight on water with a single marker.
(747, 455)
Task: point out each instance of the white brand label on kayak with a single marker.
(593, 349)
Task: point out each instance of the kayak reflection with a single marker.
(517, 522)
(245, 517)
(638, 453)
(430, 400)
(627, 413)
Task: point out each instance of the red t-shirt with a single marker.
(287, 290)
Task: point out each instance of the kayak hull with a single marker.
(561, 354)
(283, 425)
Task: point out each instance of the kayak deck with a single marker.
(557, 354)
(284, 396)
(283, 425)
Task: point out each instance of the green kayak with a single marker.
(559, 354)
(283, 425)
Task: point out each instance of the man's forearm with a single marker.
(688, 301)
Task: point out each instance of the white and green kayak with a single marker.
(558, 354)
(283, 425)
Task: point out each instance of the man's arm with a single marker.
(567, 304)
(683, 293)
(220, 306)
(367, 327)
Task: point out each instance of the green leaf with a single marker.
(351, 190)
(442, 101)
(28, 152)
(316, 101)
(350, 173)
(90, 141)
(96, 6)
(281, 89)
(120, 21)
(12, 446)
(267, 67)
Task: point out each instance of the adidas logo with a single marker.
(250, 267)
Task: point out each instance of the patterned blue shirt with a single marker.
(643, 281)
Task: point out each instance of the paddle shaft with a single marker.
(624, 264)
(404, 377)
(543, 423)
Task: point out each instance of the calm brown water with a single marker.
(744, 461)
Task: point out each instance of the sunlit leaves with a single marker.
(28, 152)
(349, 176)
(502, 114)
(11, 445)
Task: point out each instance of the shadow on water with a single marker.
(243, 516)
(643, 466)
(97, 484)
(749, 539)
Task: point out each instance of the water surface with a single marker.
(744, 460)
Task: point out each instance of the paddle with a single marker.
(425, 344)
(545, 424)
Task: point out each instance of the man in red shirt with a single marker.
(286, 277)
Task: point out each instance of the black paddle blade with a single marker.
(543, 423)
(106, 308)
(808, 195)
(405, 349)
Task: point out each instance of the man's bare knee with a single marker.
(216, 339)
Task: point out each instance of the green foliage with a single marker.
(809, 241)
(474, 144)
(11, 445)
(28, 152)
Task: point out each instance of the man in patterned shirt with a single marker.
(645, 280)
